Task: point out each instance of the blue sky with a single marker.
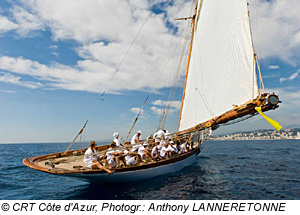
(57, 56)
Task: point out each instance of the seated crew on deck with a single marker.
(165, 151)
(117, 140)
(112, 155)
(172, 148)
(162, 141)
(137, 137)
(91, 159)
(189, 146)
(144, 152)
(131, 158)
(181, 148)
(155, 152)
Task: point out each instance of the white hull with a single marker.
(137, 175)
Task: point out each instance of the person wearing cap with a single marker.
(172, 148)
(91, 158)
(117, 140)
(137, 137)
(159, 134)
(144, 152)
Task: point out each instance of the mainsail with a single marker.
(221, 72)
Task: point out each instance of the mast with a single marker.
(188, 63)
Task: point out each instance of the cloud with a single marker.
(94, 20)
(174, 106)
(53, 49)
(273, 67)
(87, 75)
(23, 22)
(118, 21)
(136, 110)
(6, 25)
(7, 91)
(291, 77)
(102, 39)
(26, 21)
(289, 108)
(11, 79)
(156, 110)
(278, 31)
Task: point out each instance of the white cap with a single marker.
(149, 137)
(139, 131)
(160, 133)
(172, 142)
(115, 134)
(145, 143)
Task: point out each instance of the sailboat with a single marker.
(223, 85)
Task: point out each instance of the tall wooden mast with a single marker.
(188, 63)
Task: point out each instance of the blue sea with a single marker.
(223, 170)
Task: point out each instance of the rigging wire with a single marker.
(154, 88)
(257, 32)
(165, 112)
(136, 118)
(151, 91)
(173, 89)
(206, 105)
(257, 57)
(109, 83)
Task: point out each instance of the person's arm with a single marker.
(133, 153)
(116, 153)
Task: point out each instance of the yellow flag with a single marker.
(275, 124)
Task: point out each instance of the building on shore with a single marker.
(264, 134)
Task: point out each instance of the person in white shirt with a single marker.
(181, 148)
(155, 152)
(159, 134)
(162, 143)
(165, 151)
(131, 158)
(117, 140)
(112, 155)
(144, 152)
(172, 148)
(91, 158)
(137, 137)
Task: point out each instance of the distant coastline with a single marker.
(262, 134)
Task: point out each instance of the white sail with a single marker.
(222, 68)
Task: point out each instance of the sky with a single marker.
(58, 56)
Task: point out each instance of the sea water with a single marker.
(260, 169)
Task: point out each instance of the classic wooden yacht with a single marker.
(223, 85)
